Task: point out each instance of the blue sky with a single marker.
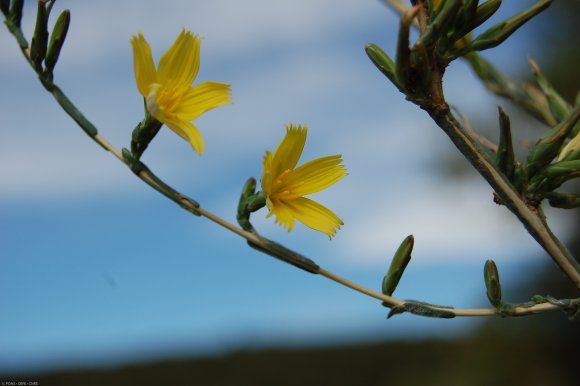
(98, 269)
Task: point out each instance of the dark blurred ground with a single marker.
(540, 350)
(543, 350)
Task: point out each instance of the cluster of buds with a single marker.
(445, 29)
(445, 34)
(44, 49)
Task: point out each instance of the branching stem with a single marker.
(530, 218)
(447, 122)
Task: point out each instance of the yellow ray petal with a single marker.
(180, 64)
(203, 97)
(314, 215)
(289, 150)
(189, 132)
(314, 176)
(283, 214)
(143, 65)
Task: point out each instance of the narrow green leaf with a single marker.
(501, 31)
(558, 105)
(422, 309)
(505, 158)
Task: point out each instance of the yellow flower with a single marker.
(284, 185)
(169, 95)
(572, 146)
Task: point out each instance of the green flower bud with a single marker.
(505, 158)
(492, 284)
(501, 31)
(564, 200)
(57, 40)
(548, 147)
(383, 62)
(439, 25)
(398, 265)
(562, 169)
(40, 37)
(16, 12)
(482, 13)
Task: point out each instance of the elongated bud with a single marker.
(16, 12)
(398, 265)
(492, 284)
(40, 37)
(564, 200)
(558, 106)
(505, 158)
(57, 40)
(562, 169)
(569, 151)
(501, 31)
(548, 147)
(439, 24)
(483, 12)
(383, 62)
(5, 7)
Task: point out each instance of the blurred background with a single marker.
(104, 281)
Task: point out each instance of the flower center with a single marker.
(164, 99)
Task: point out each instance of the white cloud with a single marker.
(101, 29)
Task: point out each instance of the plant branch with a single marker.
(531, 219)
(273, 248)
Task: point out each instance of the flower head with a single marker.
(170, 97)
(285, 185)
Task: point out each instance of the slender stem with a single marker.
(517, 311)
